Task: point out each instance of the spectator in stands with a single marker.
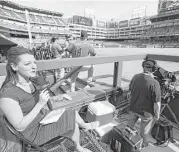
(21, 93)
(4, 60)
(145, 101)
(47, 43)
(82, 49)
(1, 58)
(1, 52)
(58, 53)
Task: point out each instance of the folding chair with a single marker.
(58, 144)
(28, 146)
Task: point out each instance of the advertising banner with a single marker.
(135, 21)
(82, 20)
(100, 24)
(112, 24)
(123, 23)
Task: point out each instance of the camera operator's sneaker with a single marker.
(89, 80)
(145, 144)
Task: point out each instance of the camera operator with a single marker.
(145, 100)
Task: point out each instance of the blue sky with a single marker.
(104, 9)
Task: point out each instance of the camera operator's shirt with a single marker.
(81, 49)
(145, 91)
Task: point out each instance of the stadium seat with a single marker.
(22, 16)
(6, 13)
(32, 18)
(2, 12)
(49, 20)
(11, 14)
(41, 20)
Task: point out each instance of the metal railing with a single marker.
(74, 62)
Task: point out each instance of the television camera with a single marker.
(167, 81)
(168, 90)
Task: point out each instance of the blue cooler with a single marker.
(101, 111)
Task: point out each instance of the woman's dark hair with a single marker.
(13, 58)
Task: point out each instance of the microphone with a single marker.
(49, 104)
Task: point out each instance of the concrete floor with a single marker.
(103, 131)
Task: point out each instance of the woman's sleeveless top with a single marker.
(26, 100)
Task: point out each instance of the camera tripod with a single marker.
(166, 105)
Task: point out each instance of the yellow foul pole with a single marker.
(28, 27)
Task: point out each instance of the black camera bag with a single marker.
(162, 131)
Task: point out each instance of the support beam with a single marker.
(117, 77)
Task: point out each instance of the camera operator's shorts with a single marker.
(147, 121)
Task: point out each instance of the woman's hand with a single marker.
(56, 98)
(129, 96)
(43, 97)
(66, 96)
(60, 97)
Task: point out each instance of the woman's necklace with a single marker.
(27, 87)
(24, 84)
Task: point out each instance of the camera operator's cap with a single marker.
(148, 64)
(84, 33)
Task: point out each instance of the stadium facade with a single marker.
(44, 24)
(97, 29)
